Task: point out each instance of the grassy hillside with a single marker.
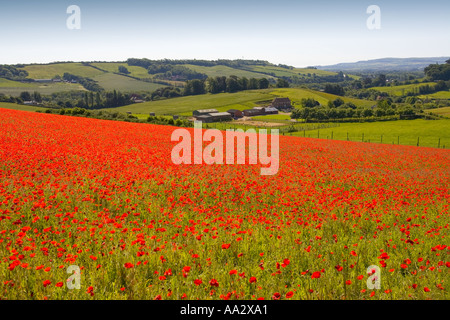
(404, 131)
(47, 88)
(112, 67)
(444, 95)
(111, 81)
(185, 105)
(226, 71)
(48, 71)
(441, 111)
(14, 106)
(297, 94)
(402, 90)
(224, 101)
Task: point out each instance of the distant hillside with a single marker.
(385, 64)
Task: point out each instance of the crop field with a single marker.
(431, 133)
(14, 106)
(440, 95)
(111, 81)
(105, 198)
(185, 105)
(135, 71)
(445, 111)
(42, 88)
(283, 72)
(48, 71)
(215, 71)
(402, 90)
(239, 100)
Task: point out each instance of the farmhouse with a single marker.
(196, 113)
(235, 113)
(281, 103)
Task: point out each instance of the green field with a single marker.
(224, 101)
(5, 83)
(440, 95)
(402, 90)
(440, 111)
(48, 71)
(270, 117)
(7, 105)
(111, 81)
(226, 71)
(297, 94)
(135, 71)
(283, 72)
(404, 132)
(42, 88)
(185, 105)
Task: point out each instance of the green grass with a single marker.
(272, 117)
(297, 94)
(7, 105)
(440, 95)
(226, 71)
(402, 90)
(135, 71)
(5, 83)
(42, 88)
(111, 81)
(185, 105)
(282, 72)
(428, 131)
(225, 101)
(48, 71)
(445, 111)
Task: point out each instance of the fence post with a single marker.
(331, 135)
(439, 143)
(347, 136)
(304, 133)
(317, 133)
(418, 141)
(362, 139)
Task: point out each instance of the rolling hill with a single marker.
(385, 65)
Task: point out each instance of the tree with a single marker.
(211, 85)
(334, 89)
(233, 84)
(25, 96)
(281, 83)
(37, 96)
(309, 103)
(263, 83)
(123, 69)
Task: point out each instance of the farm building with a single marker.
(152, 114)
(252, 112)
(235, 113)
(281, 103)
(214, 117)
(220, 116)
(175, 117)
(271, 110)
(203, 112)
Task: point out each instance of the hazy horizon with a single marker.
(296, 33)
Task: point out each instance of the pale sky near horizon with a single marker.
(293, 32)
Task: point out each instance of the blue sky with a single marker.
(298, 33)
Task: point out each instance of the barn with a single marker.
(196, 113)
(235, 113)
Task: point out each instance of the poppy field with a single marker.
(105, 196)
